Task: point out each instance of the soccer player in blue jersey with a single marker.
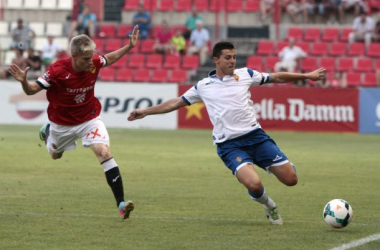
(241, 142)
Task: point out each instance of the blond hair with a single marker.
(81, 44)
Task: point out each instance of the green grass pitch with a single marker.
(185, 197)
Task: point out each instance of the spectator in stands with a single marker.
(19, 60)
(289, 57)
(348, 6)
(378, 77)
(178, 43)
(266, 7)
(34, 62)
(296, 7)
(318, 7)
(142, 19)
(50, 51)
(191, 22)
(85, 23)
(363, 27)
(163, 39)
(338, 81)
(199, 40)
(22, 36)
(376, 33)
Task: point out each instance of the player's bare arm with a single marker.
(165, 107)
(114, 56)
(281, 77)
(30, 88)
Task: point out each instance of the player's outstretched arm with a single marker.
(117, 54)
(30, 88)
(165, 107)
(281, 77)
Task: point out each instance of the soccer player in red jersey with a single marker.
(74, 110)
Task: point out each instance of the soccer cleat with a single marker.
(273, 216)
(44, 131)
(125, 208)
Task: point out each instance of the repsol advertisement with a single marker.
(117, 100)
(288, 108)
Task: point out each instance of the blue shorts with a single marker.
(256, 147)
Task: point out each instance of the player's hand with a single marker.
(136, 114)
(318, 74)
(134, 36)
(17, 73)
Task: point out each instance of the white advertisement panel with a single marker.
(117, 99)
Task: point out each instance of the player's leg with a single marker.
(96, 137)
(286, 173)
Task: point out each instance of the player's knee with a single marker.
(254, 186)
(291, 180)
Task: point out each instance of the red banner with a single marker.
(290, 108)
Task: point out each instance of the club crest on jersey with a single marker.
(238, 159)
(236, 77)
(92, 69)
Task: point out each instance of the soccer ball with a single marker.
(337, 213)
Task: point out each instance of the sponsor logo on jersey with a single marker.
(80, 98)
(93, 69)
(236, 77)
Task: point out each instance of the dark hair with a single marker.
(218, 47)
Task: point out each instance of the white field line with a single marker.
(357, 243)
(168, 218)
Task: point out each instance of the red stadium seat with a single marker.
(328, 63)
(183, 5)
(123, 30)
(217, 5)
(356, 49)
(270, 62)
(255, 63)
(305, 46)
(150, 5)
(107, 74)
(113, 44)
(190, 62)
(309, 64)
(141, 75)
(296, 33)
(172, 62)
(370, 80)
(252, 5)
(345, 64)
(99, 42)
(377, 64)
(319, 49)
(280, 46)
(131, 4)
(364, 65)
(338, 49)
(353, 79)
(179, 76)
(166, 5)
(330, 35)
(234, 5)
(201, 5)
(344, 34)
(121, 63)
(265, 47)
(312, 34)
(154, 61)
(136, 61)
(159, 75)
(124, 75)
(147, 46)
(107, 31)
(373, 50)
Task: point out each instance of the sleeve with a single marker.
(47, 79)
(192, 95)
(258, 78)
(99, 61)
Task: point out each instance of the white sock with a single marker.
(266, 201)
